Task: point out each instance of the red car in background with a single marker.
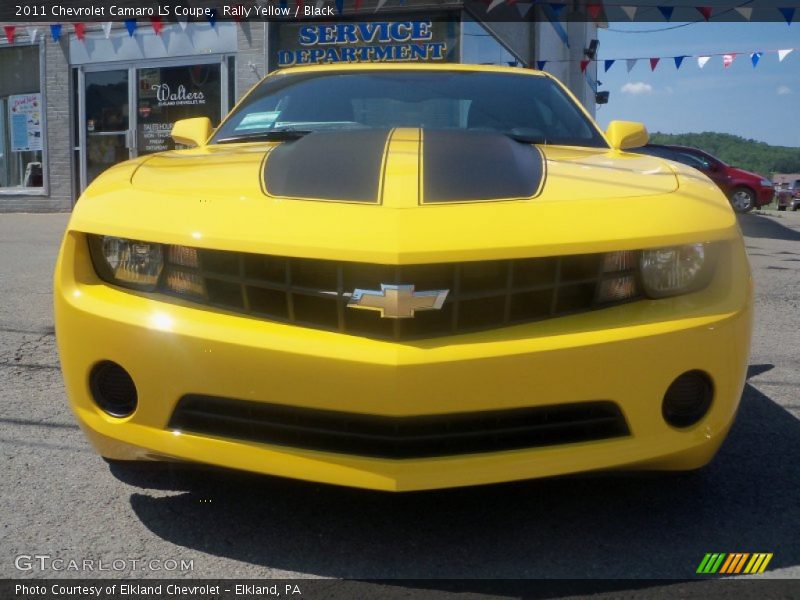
(745, 190)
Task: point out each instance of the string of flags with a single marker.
(594, 10)
(79, 29)
(702, 59)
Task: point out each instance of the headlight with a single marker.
(675, 270)
(618, 281)
(129, 263)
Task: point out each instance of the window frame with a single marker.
(44, 190)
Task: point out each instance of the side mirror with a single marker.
(626, 134)
(192, 132)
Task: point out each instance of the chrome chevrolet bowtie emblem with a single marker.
(397, 301)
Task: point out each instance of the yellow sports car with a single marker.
(405, 277)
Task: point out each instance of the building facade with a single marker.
(72, 105)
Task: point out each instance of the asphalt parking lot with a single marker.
(59, 498)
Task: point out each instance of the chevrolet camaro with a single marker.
(405, 277)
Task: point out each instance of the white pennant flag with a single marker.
(107, 29)
(702, 60)
(630, 11)
(745, 11)
(320, 3)
(33, 33)
(783, 54)
(494, 4)
(183, 23)
(630, 63)
(524, 8)
(380, 5)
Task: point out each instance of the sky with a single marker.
(761, 103)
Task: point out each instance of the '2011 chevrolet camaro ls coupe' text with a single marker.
(405, 277)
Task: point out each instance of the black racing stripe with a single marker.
(467, 166)
(342, 166)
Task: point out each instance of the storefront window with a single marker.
(481, 47)
(21, 118)
(169, 94)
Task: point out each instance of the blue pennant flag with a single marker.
(607, 64)
(284, 4)
(755, 57)
(788, 14)
(540, 64)
(666, 11)
(557, 7)
(678, 60)
(130, 25)
(55, 32)
(340, 6)
(212, 17)
(552, 15)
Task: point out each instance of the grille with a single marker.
(314, 293)
(399, 437)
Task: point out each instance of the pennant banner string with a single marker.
(782, 53)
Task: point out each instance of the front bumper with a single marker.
(764, 196)
(626, 354)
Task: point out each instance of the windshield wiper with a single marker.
(274, 135)
(525, 139)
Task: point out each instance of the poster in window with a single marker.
(25, 122)
(168, 94)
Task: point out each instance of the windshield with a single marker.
(529, 108)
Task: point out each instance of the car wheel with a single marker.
(783, 208)
(743, 200)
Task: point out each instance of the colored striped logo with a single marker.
(733, 563)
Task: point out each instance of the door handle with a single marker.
(130, 142)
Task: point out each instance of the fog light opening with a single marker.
(113, 389)
(688, 399)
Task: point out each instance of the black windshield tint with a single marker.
(521, 105)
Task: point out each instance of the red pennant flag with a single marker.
(80, 31)
(300, 4)
(357, 4)
(654, 63)
(584, 64)
(593, 10)
(705, 11)
(727, 60)
(156, 24)
(11, 31)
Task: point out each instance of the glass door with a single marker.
(107, 122)
(171, 93)
(129, 111)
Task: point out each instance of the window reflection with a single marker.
(21, 118)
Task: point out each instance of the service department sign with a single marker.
(361, 42)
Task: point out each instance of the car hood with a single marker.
(425, 207)
(368, 166)
(742, 174)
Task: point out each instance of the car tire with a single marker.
(783, 208)
(743, 199)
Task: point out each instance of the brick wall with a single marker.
(58, 162)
